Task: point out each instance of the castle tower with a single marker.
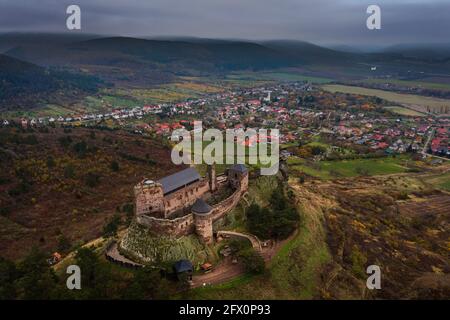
(203, 220)
(149, 199)
(212, 178)
(238, 177)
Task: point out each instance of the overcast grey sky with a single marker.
(318, 21)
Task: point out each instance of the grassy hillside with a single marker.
(141, 245)
(132, 63)
(293, 273)
(25, 85)
(347, 226)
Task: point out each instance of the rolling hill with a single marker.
(143, 63)
(420, 51)
(163, 56)
(24, 85)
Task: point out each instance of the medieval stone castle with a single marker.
(176, 205)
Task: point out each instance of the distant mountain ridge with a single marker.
(215, 54)
(11, 40)
(420, 51)
(139, 62)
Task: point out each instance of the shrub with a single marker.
(358, 262)
(278, 221)
(252, 261)
(92, 179)
(69, 172)
(64, 244)
(21, 188)
(110, 229)
(80, 148)
(50, 162)
(115, 166)
(65, 141)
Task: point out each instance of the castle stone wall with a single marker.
(176, 227)
(188, 224)
(185, 197)
(223, 207)
(149, 199)
(153, 209)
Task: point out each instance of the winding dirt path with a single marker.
(224, 271)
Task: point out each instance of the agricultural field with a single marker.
(276, 76)
(106, 99)
(434, 104)
(415, 83)
(49, 110)
(167, 93)
(349, 168)
(402, 111)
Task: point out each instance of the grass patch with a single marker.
(276, 76)
(144, 247)
(420, 84)
(440, 182)
(350, 168)
(404, 111)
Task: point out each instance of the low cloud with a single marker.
(318, 21)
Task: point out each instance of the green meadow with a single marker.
(420, 84)
(440, 182)
(350, 168)
(276, 76)
(405, 111)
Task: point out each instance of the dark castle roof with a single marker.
(201, 207)
(183, 266)
(179, 180)
(239, 168)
